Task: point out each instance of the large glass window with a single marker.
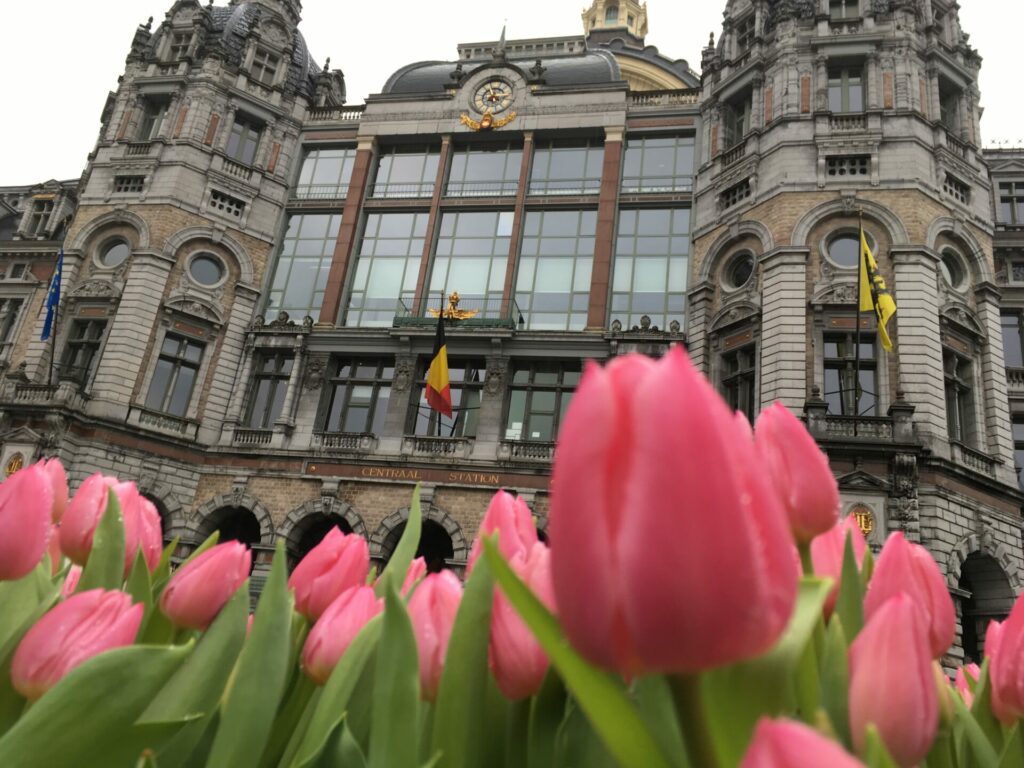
(959, 378)
(359, 394)
(567, 168)
(466, 379)
(651, 257)
(303, 264)
(386, 268)
(658, 164)
(243, 140)
(472, 253)
(739, 373)
(538, 398)
(174, 377)
(844, 394)
(271, 371)
(487, 170)
(1011, 202)
(1013, 340)
(82, 351)
(325, 174)
(406, 172)
(553, 284)
(845, 89)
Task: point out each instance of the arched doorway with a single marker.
(989, 597)
(435, 547)
(310, 531)
(233, 524)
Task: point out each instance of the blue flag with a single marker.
(53, 297)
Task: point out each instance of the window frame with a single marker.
(79, 343)
(507, 185)
(39, 216)
(177, 362)
(154, 115)
(10, 322)
(1010, 193)
(306, 187)
(960, 395)
(641, 182)
(845, 365)
(384, 188)
(840, 80)
(532, 366)
(345, 383)
(542, 184)
(265, 67)
(271, 412)
(1012, 317)
(738, 385)
(420, 414)
(243, 140)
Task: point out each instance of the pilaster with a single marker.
(784, 327)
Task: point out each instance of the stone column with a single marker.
(821, 83)
(403, 389)
(873, 85)
(757, 116)
(698, 317)
(997, 437)
(237, 389)
(287, 417)
(784, 327)
(490, 428)
(234, 364)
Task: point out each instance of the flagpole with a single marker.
(56, 311)
(856, 336)
(441, 320)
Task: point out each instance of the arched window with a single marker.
(611, 14)
(990, 596)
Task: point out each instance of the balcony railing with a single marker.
(859, 427)
(556, 187)
(335, 114)
(504, 188)
(359, 442)
(534, 451)
(1015, 380)
(163, 421)
(404, 190)
(419, 445)
(33, 393)
(320, 192)
(973, 458)
(683, 97)
(735, 154)
(856, 122)
(654, 184)
(237, 170)
(489, 314)
(253, 437)
(138, 148)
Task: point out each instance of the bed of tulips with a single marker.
(700, 606)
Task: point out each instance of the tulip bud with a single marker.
(151, 535)
(71, 581)
(1004, 647)
(828, 550)
(53, 549)
(336, 629)
(906, 567)
(432, 610)
(339, 562)
(965, 688)
(200, 588)
(509, 516)
(26, 502)
(799, 471)
(516, 658)
(943, 693)
(649, 453)
(72, 632)
(891, 682)
(139, 517)
(788, 744)
(413, 575)
(59, 480)
(83, 515)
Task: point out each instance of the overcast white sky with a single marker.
(61, 57)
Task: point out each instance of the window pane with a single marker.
(159, 384)
(182, 391)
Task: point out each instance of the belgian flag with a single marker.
(874, 297)
(438, 393)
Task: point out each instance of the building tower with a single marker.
(817, 114)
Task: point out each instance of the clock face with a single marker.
(493, 96)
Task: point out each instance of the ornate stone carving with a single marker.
(495, 377)
(93, 289)
(786, 10)
(316, 370)
(903, 508)
(403, 373)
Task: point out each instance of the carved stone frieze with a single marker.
(495, 379)
(316, 371)
(404, 365)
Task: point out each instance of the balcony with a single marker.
(734, 154)
(33, 394)
(562, 187)
(138, 148)
(973, 458)
(436, 447)
(320, 192)
(526, 451)
(1015, 381)
(166, 423)
(403, 191)
(488, 314)
(335, 114)
(682, 97)
(656, 184)
(236, 169)
(848, 123)
(345, 442)
(501, 188)
(253, 438)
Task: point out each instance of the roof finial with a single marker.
(711, 39)
(501, 41)
(149, 24)
(327, 64)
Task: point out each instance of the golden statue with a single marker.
(488, 122)
(452, 311)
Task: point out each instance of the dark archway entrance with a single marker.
(435, 546)
(310, 531)
(990, 596)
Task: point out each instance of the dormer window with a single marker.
(949, 106)
(744, 35)
(180, 43)
(611, 14)
(736, 117)
(264, 67)
(38, 218)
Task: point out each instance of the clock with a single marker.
(493, 96)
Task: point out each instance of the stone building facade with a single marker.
(250, 265)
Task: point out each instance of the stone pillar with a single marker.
(604, 241)
(234, 362)
(698, 317)
(784, 327)
(403, 389)
(490, 428)
(821, 83)
(918, 342)
(758, 118)
(287, 417)
(873, 86)
(237, 399)
(997, 437)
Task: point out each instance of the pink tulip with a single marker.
(655, 486)
(199, 589)
(1004, 647)
(73, 631)
(339, 562)
(26, 502)
(141, 527)
(413, 575)
(509, 516)
(59, 480)
(336, 629)
(71, 581)
(83, 515)
(432, 609)
(53, 549)
(891, 682)
(518, 662)
(151, 536)
(906, 567)
(963, 687)
(788, 744)
(799, 470)
(827, 551)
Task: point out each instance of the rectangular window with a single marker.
(359, 394)
(153, 113)
(567, 168)
(325, 174)
(487, 170)
(844, 395)
(126, 184)
(467, 379)
(1011, 202)
(949, 106)
(180, 43)
(845, 89)
(303, 264)
(39, 217)
(406, 172)
(838, 10)
(959, 378)
(269, 387)
(264, 67)
(736, 118)
(956, 189)
(1013, 340)
(658, 164)
(226, 204)
(553, 283)
(739, 374)
(1018, 449)
(10, 308)
(744, 35)
(471, 257)
(243, 140)
(651, 260)
(386, 268)
(174, 377)
(538, 398)
(81, 354)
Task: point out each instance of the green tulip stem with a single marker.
(686, 690)
(805, 558)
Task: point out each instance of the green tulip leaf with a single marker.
(139, 585)
(347, 749)
(981, 709)
(875, 753)
(21, 598)
(105, 567)
(850, 601)
(405, 550)
(547, 708)
(610, 712)
(251, 700)
(985, 753)
(1013, 752)
(11, 702)
(653, 695)
(292, 717)
(394, 741)
(577, 744)
(85, 721)
(162, 572)
(835, 680)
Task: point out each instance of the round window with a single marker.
(844, 249)
(206, 269)
(739, 270)
(952, 268)
(114, 253)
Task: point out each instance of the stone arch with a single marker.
(86, 233)
(205, 521)
(986, 584)
(874, 212)
(383, 540)
(734, 232)
(973, 253)
(172, 515)
(296, 523)
(986, 545)
(182, 237)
